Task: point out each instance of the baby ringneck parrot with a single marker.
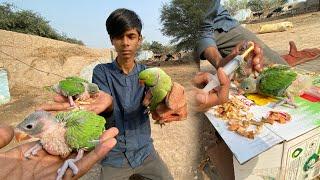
(75, 87)
(159, 82)
(279, 81)
(76, 130)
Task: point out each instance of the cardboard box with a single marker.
(281, 151)
(292, 160)
(301, 156)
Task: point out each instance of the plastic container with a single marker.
(229, 68)
(4, 86)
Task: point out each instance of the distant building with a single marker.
(242, 14)
(144, 55)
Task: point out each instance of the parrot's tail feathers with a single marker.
(95, 141)
(316, 81)
(48, 88)
(161, 123)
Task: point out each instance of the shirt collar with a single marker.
(119, 70)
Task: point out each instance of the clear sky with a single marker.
(85, 19)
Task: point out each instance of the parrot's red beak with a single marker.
(21, 136)
(141, 82)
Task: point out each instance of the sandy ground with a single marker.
(182, 145)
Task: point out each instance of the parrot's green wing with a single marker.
(275, 69)
(72, 86)
(274, 81)
(77, 79)
(157, 96)
(160, 91)
(82, 127)
(159, 82)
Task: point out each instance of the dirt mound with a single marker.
(34, 61)
(63, 52)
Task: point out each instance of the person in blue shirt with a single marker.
(134, 152)
(120, 101)
(220, 33)
(222, 37)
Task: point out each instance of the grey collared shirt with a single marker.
(134, 141)
(216, 18)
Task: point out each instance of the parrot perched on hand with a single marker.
(77, 130)
(279, 81)
(159, 82)
(75, 87)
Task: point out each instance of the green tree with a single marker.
(145, 45)
(6, 16)
(259, 5)
(170, 49)
(156, 47)
(181, 20)
(29, 22)
(255, 5)
(235, 5)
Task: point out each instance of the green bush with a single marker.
(29, 22)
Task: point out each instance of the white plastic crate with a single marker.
(4, 86)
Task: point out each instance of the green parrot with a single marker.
(159, 82)
(76, 130)
(279, 81)
(75, 87)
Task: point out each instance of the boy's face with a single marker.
(127, 44)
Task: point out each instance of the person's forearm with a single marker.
(213, 56)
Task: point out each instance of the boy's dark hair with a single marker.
(122, 20)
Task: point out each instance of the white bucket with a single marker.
(4, 86)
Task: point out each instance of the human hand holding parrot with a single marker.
(101, 102)
(45, 165)
(166, 99)
(172, 108)
(74, 87)
(62, 134)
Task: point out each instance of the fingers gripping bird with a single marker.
(76, 130)
(159, 82)
(75, 87)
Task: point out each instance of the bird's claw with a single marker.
(160, 122)
(71, 102)
(285, 101)
(70, 163)
(32, 151)
(27, 155)
(147, 111)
